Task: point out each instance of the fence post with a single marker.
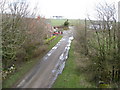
(113, 73)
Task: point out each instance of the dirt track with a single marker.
(42, 75)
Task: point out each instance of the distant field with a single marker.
(58, 22)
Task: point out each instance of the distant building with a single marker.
(57, 17)
(99, 26)
(119, 11)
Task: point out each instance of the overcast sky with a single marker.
(67, 8)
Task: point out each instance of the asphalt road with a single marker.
(43, 74)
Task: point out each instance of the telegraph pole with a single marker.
(119, 11)
(86, 49)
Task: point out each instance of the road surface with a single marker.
(44, 74)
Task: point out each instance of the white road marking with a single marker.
(45, 58)
(61, 57)
(21, 83)
(66, 57)
(63, 39)
(68, 44)
(71, 38)
(49, 54)
(54, 47)
(68, 48)
(53, 71)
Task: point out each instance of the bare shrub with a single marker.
(103, 44)
(80, 37)
(21, 34)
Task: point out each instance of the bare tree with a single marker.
(13, 36)
(16, 28)
(108, 41)
(103, 44)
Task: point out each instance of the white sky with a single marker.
(77, 9)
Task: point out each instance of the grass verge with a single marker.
(26, 67)
(12, 79)
(69, 77)
(54, 42)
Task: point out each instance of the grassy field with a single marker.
(12, 79)
(58, 22)
(70, 77)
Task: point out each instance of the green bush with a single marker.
(66, 23)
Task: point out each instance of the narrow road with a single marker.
(42, 75)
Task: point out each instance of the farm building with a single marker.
(99, 25)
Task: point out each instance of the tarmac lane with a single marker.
(43, 74)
